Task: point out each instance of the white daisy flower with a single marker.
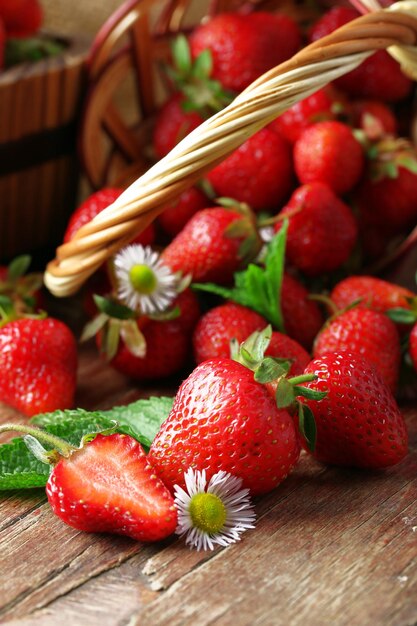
(145, 284)
(212, 514)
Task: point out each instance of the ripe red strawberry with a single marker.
(22, 18)
(259, 172)
(302, 316)
(221, 324)
(378, 77)
(222, 419)
(172, 124)
(413, 346)
(375, 293)
(322, 229)
(176, 215)
(245, 46)
(283, 347)
(358, 422)
(92, 206)
(321, 105)
(387, 194)
(38, 360)
(213, 245)
(109, 486)
(329, 152)
(374, 117)
(368, 333)
(168, 343)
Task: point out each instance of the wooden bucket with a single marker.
(114, 149)
(39, 115)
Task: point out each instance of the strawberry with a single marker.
(167, 343)
(22, 18)
(413, 346)
(108, 485)
(302, 316)
(92, 206)
(38, 359)
(176, 215)
(368, 333)
(245, 46)
(375, 293)
(378, 77)
(221, 324)
(322, 229)
(223, 419)
(321, 105)
(387, 194)
(283, 347)
(358, 422)
(172, 124)
(213, 245)
(329, 152)
(259, 172)
(374, 117)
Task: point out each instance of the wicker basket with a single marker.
(131, 44)
(39, 113)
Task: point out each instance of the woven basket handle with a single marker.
(316, 65)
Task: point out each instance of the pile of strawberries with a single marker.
(290, 340)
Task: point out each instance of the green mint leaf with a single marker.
(307, 425)
(19, 469)
(402, 316)
(259, 288)
(144, 416)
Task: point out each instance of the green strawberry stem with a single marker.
(33, 439)
(303, 378)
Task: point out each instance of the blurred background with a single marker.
(69, 16)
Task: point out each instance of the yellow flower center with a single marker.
(207, 512)
(142, 279)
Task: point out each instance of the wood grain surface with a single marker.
(331, 546)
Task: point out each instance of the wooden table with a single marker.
(331, 546)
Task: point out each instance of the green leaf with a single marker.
(402, 316)
(18, 267)
(259, 288)
(19, 469)
(144, 416)
(307, 425)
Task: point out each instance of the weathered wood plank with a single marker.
(331, 546)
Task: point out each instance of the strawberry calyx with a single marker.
(192, 78)
(388, 155)
(272, 372)
(115, 321)
(19, 286)
(244, 228)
